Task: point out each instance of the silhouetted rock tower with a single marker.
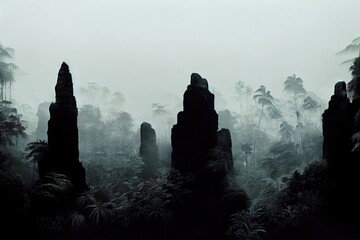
(341, 123)
(63, 131)
(196, 129)
(149, 150)
(338, 122)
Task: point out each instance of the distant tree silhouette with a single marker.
(11, 126)
(283, 158)
(242, 90)
(120, 134)
(286, 131)
(264, 98)
(159, 109)
(294, 85)
(274, 112)
(246, 149)
(90, 126)
(310, 104)
(7, 71)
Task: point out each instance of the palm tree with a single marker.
(294, 85)
(286, 131)
(6, 70)
(263, 98)
(354, 46)
(310, 104)
(283, 159)
(242, 90)
(247, 149)
(6, 52)
(239, 89)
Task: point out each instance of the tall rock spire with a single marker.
(196, 129)
(63, 131)
(64, 87)
(337, 126)
(149, 151)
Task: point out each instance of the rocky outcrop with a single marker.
(220, 159)
(341, 148)
(149, 151)
(338, 125)
(63, 131)
(196, 130)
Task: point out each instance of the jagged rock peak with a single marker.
(198, 81)
(64, 86)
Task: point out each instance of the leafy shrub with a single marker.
(243, 226)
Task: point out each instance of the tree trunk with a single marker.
(261, 115)
(256, 135)
(5, 90)
(10, 92)
(296, 107)
(246, 162)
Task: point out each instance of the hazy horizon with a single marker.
(147, 50)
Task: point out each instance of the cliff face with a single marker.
(196, 129)
(63, 131)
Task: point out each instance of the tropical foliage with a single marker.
(279, 185)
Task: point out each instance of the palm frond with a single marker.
(5, 53)
(77, 220)
(348, 61)
(37, 151)
(351, 48)
(356, 140)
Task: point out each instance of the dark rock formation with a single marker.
(220, 160)
(149, 150)
(341, 128)
(338, 126)
(63, 131)
(195, 131)
(43, 118)
(354, 89)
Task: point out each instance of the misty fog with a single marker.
(147, 50)
(137, 116)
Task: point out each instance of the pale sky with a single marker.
(147, 49)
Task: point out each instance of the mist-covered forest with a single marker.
(168, 120)
(273, 168)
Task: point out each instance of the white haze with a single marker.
(148, 49)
